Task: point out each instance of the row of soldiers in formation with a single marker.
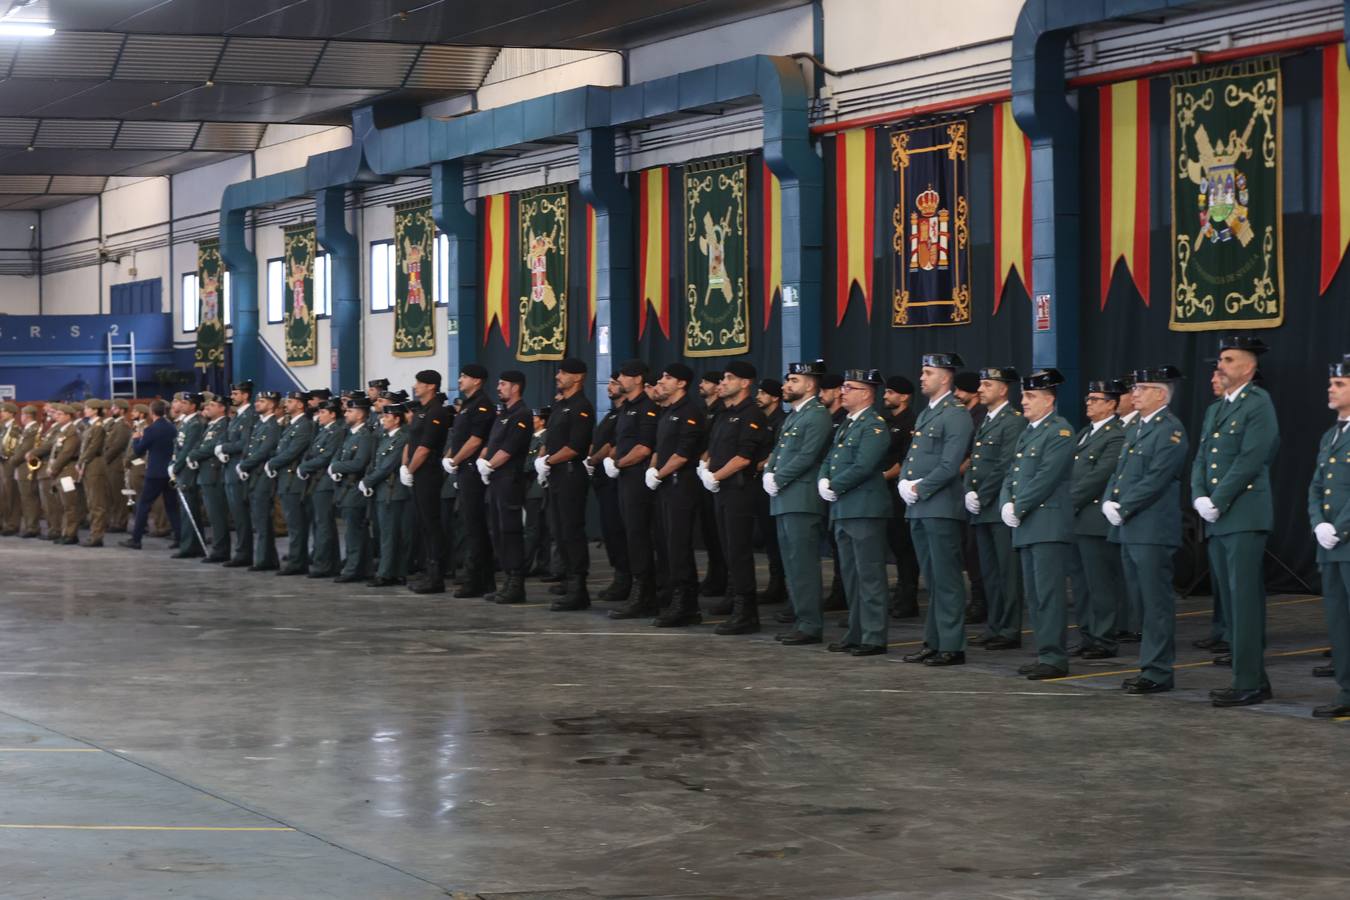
(808, 462)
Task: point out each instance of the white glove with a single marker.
(1206, 508)
(453, 469)
(239, 470)
(541, 468)
(1009, 517)
(484, 468)
(823, 488)
(770, 484)
(908, 493)
(1111, 509)
(611, 467)
(653, 478)
(447, 465)
(193, 464)
(710, 484)
(972, 503)
(365, 491)
(1326, 536)
(173, 479)
(301, 475)
(405, 476)
(221, 454)
(588, 466)
(336, 476)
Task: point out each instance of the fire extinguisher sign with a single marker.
(1042, 312)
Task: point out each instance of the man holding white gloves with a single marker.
(1329, 512)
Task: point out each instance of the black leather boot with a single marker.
(432, 583)
(512, 592)
(744, 617)
(681, 611)
(641, 602)
(576, 598)
(617, 590)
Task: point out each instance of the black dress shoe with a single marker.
(923, 654)
(1225, 660)
(785, 617)
(92, 544)
(186, 554)
(1324, 671)
(979, 640)
(1026, 669)
(1231, 697)
(293, 570)
(1002, 643)
(947, 658)
(237, 564)
(262, 568)
(1042, 671)
(70, 542)
(1098, 652)
(1330, 711)
(1218, 645)
(1142, 685)
(841, 647)
(796, 638)
(314, 574)
(868, 650)
(1076, 652)
(346, 579)
(1129, 637)
(1266, 692)
(130, 544)
(384, 582)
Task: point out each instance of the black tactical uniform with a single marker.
(570, 424)
(428, 429)
(474, 420)
(740, 431)
(681, 432)
(636, 426)
(511, 433)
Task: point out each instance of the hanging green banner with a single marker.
(1228, 246)
(210, 350)
(715, 259)
(542, 237)
(299, 324)
(414, 236)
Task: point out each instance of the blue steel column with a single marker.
(614, 307)
(243, 266)
(344, 261)
(461, 226)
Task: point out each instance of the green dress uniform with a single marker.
(313, 470)
(798, 511)
(1329, 502)
(393, 503)
(116, 443)
(1096, 453)
(990, 460)
(61, 464)
(47, 497)
(211, 484)
(284, 466)
(30, 503)
(185, 480)
(1147, 485)
(854, 469)
(349, 464)
(9, 487)
(236, 442)
(1232, 469)
(1037, 486)
(94, 478)
(942, 434)
(262, 443)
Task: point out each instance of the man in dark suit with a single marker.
(156, 444)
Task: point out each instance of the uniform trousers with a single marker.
(192, 496)
(473, 520)
(1219, 616)
(862, 564)
(356, 536)
(261, 493)
(611, 522)
(426, 498)
(1002, 579)
(680, 504)
(236, 496)
(799, 536)
(902, 548)
(1336, 605)
(218, 511)
(397, 519)
(1240, 579)
(637, 508)
(939, 546)
(1044, 575)
(735, 505)
(30, 506)
(297, 529)
(152, 490)
(325, 558)
(117, 503)
(566, 511)
(1103, 580)
(506, 520)
(95, 482)
(1148, 574)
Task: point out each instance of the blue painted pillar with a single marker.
(344, 261)
(790, 155)
(242, 263)
(461, 226)
(615, 311)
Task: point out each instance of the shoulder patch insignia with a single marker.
(876, 431)
(754, 426)
(520, 424)
(585, 414)
(1176, 439)
(435, 421)
(1064, 432)
(652, 414)
(691, 421)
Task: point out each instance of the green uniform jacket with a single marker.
(1328, 496)
(209, 468)
(91, 444)
(1093, 464)
(28, 441)
(117, 437)
(1232, 462)
(351, 463)
(189, 433)
(941, 437)
(1037, 485)
(1147, 481)
(382, 477)
(64, 453)
(291, 447)
(321, 452)
(236, 441)
(796, 457)
(990, 460)
(854, 467)
(262, 443)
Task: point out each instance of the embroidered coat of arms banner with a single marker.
(210, 350)
(542, 243)
(299, 322)
(414, 310)
(930, 226)
(716, 262)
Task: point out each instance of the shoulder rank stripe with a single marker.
(520, 424)
(1064, 432)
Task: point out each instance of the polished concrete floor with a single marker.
(172, 729)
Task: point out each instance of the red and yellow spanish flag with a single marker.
(496, 265)
(592, 271)
(854, 199)
(773, 242)
(1335, 145)
(1124, 130)
(654, 247)
(1012, 202)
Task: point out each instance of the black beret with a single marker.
(473, 370)
(740, 369)
(380, 383)
(429, 376)
(634, 368)
(573, 366)
(712, 376)
(772, 386)
(900, 384)
(831, 382)
(681, 372)
(967, 381)
(1042, 380)
(514, 376)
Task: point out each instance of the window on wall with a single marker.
(440, 288)
(192, 301)
(276, 291)
(381, 276)
(323, 287)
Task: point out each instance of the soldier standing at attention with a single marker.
(392, 497)
(851, 482)
(1230, 488)
(714, 582)
(322, 490)
(561, 465)
(93, 472)
(501, 467)
(832, 398)
(204, 460)
(375, 387)
(117, 437)
(898, 401)
(190, 430)
(468, 435)
(991, 458)
(1096, 453)
(728, 473)
(345, 471)
(671, 474)
(769, 399)
(61, 471)
(931, 489)
(230, 451)
(1217, 641)
(1143, 501)
(607, 497)
(281, 468)
(536, 528)
(262, 444)
(28, 500)
(1130, 615)
(1329, 514)
(1034, 503)
(9, 493)
(790, 479)
(634, 440)
(421, 471)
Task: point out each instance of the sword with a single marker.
(183, 500)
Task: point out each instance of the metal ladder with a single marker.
(128, 381)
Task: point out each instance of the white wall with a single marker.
(18, 293)
(778, 34)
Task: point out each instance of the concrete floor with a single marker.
(207, 733)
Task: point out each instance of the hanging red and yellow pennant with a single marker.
(1124, 129)
(855, 192)
(496, 265)
(592, 271)
(773, 242)
(1335, 178)
(1012, 202)
(654, 247)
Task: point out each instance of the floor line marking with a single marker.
(49, 750)
(983, 693)
(1186, 665)
(16, 827)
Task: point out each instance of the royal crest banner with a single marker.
(716, 259)
(414, 238)
(299, 323)
(542, 238)
(210, 350)
(930, 226)
(1228, 247)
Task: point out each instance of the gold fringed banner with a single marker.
(300, 325)
(542, 239)
(414, 237)
(210, 352)
(716, 258)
